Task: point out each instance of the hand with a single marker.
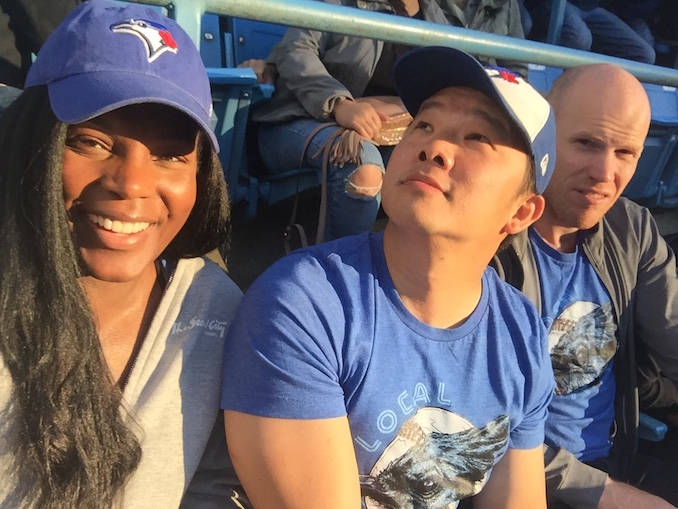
(359, 116)
(617, 495)
(266, 73)
(385, 104)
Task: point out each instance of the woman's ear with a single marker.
(528, 212)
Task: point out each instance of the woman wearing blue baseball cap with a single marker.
(112, 321)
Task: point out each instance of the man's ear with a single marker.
(528, 212)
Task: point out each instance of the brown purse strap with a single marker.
(293, 227)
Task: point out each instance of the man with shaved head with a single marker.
(604, 282)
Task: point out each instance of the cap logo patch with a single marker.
(543, 164)
(508, 76)
(156, 38)
(503, 73)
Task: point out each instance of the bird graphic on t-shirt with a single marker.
(583, 351)
(437, 469)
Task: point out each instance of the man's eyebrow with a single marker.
(614, 141)
(430, 104)
(504, 128)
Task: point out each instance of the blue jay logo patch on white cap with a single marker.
(156, 38)
(528, 107)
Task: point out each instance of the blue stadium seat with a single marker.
(542, 77)
(211, 47)
(651, 429)
(253, 39)
(226, 43)
(232, 91)
(655, 183)
(648, 186)
(664, 102)
(669, 198)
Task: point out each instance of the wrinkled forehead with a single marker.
(613, 124)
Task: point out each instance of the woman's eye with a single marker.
(84, 143)
(425, 126)
(169, 158)
(166, 158)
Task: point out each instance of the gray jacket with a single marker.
(638, 270)
(500, 17)
(317, 68)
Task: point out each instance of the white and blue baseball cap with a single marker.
(106, 55)
(423, 72)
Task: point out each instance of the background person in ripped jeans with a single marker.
(324, 77)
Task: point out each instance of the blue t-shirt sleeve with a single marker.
(539, 387)
(282, 354)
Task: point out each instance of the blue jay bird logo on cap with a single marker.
(503, 73)
(156, 38)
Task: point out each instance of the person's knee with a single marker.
(646, 54)
(365, 181)
(575, 33)
(576, 37)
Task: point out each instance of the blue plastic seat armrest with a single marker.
(266, 91)
(651, 429)
(231, 76)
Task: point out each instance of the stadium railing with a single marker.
(231, 31)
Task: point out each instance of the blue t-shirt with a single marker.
(577, 310)
(323, 333)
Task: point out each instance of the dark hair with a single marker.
(75, 445)
(530, 181)
(208, 226)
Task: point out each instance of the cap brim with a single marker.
(423, 72)
(103, 91)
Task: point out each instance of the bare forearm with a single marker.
(617, 495)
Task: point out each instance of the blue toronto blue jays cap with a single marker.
(423, 72)
(105, 56)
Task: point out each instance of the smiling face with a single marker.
(459, 171)
(129, 180)
(600, 134)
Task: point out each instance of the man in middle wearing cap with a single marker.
(396, 368)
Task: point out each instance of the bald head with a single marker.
(607, 86)
(602, 119)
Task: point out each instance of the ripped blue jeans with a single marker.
(349, 210)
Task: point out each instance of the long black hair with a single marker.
(75, 446)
